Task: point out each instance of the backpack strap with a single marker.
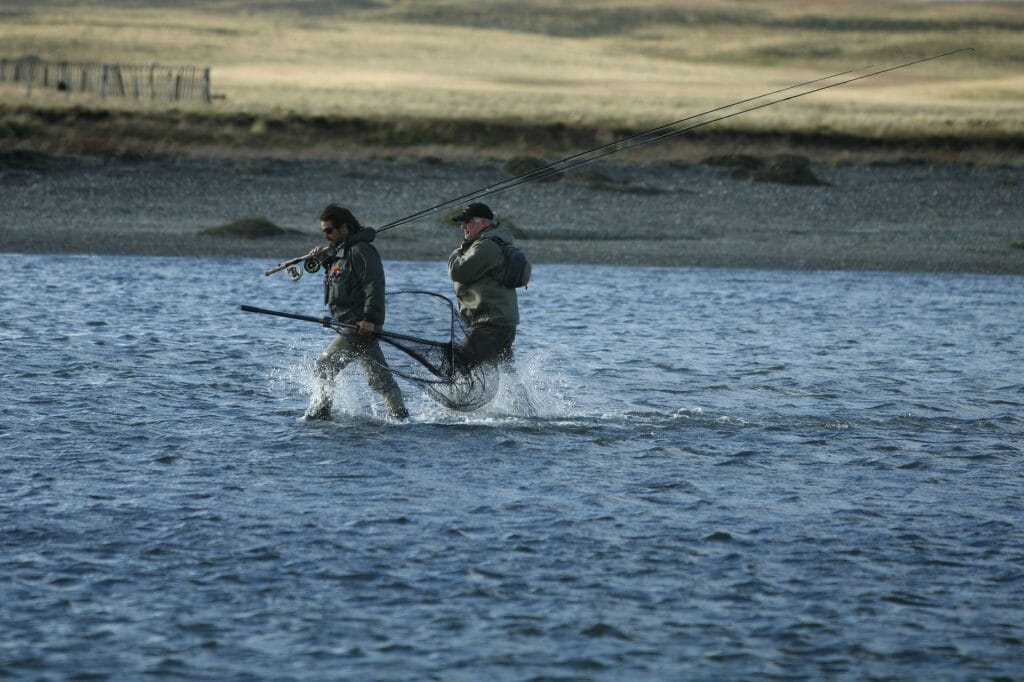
(504, 256)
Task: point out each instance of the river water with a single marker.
(733, 474)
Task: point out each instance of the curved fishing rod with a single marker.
(547, 170)
(543, 172)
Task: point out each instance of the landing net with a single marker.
(424, 351)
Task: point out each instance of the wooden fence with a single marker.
(145, 81)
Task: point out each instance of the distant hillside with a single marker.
(303, 73)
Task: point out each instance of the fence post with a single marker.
(206, 85)
(64, 79)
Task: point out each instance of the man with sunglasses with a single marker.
(354, 291)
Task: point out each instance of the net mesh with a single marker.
(424, 351)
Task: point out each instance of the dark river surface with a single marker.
(732, 475)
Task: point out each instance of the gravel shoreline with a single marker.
(904, 216)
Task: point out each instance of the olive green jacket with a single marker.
(354, 281)
(473, 268)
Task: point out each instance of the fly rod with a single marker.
(648, 137)
(551, 168)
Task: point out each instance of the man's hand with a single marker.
(366, 327)
(318, 252)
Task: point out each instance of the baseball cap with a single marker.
(475, 210)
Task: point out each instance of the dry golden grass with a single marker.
(599, 63)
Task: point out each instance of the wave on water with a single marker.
(538, 390)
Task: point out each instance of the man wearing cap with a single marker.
(489, 308)
(354, 291)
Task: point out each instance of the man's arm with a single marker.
(368, 268)
(469, 264)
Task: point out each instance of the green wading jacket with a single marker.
(354, 281)
(473, 268)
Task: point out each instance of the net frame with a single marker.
(450, 383)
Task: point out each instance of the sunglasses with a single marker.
(328, 230)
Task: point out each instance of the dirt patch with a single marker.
(600, 181)
(784, 169)
(532, 166)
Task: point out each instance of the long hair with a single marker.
(338, 216)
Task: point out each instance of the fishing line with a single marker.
(542, 172)
(614, 148)
(727, 116)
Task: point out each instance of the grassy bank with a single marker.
(311, 76)
(132, 134)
